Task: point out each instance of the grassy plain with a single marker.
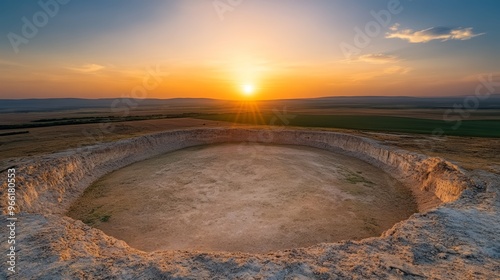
(474, 128)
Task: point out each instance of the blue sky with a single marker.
(101, 48)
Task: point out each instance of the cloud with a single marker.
(397, 70)
(387, 72)
(378, 58)
(373, 58)
(88, 68)
(10, 63)
(433, 33)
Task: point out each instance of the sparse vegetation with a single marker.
(370, 224)
(95, 217)
(355, 178)
(105, 218)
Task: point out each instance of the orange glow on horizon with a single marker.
(247, 77)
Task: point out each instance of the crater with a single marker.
(280, 197)
(244, 197)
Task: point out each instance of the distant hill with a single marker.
(58, 104)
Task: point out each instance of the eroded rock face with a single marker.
(48, 184)
(457, 240)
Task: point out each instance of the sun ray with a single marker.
(258, 113)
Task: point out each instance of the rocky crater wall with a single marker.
(49, 184)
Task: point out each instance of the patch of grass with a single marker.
(370, 225)
(94, 216)
(354, 190)
(355, 178)
(105, 218)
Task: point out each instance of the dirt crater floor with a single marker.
(244, 198)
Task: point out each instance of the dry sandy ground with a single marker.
(244, 198)
(471, 153)
(44, 140)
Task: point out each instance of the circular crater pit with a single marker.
(244, 198)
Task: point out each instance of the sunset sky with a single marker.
(268, 49)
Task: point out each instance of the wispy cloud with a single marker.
(401, 70)
(433, 33)
(87, 68)
(372, 58)
(10, 63)
(383, 72)
(378, 58)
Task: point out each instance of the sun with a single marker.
(248, 89)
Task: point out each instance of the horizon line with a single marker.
(250, 100)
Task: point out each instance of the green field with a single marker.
(472, 128)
